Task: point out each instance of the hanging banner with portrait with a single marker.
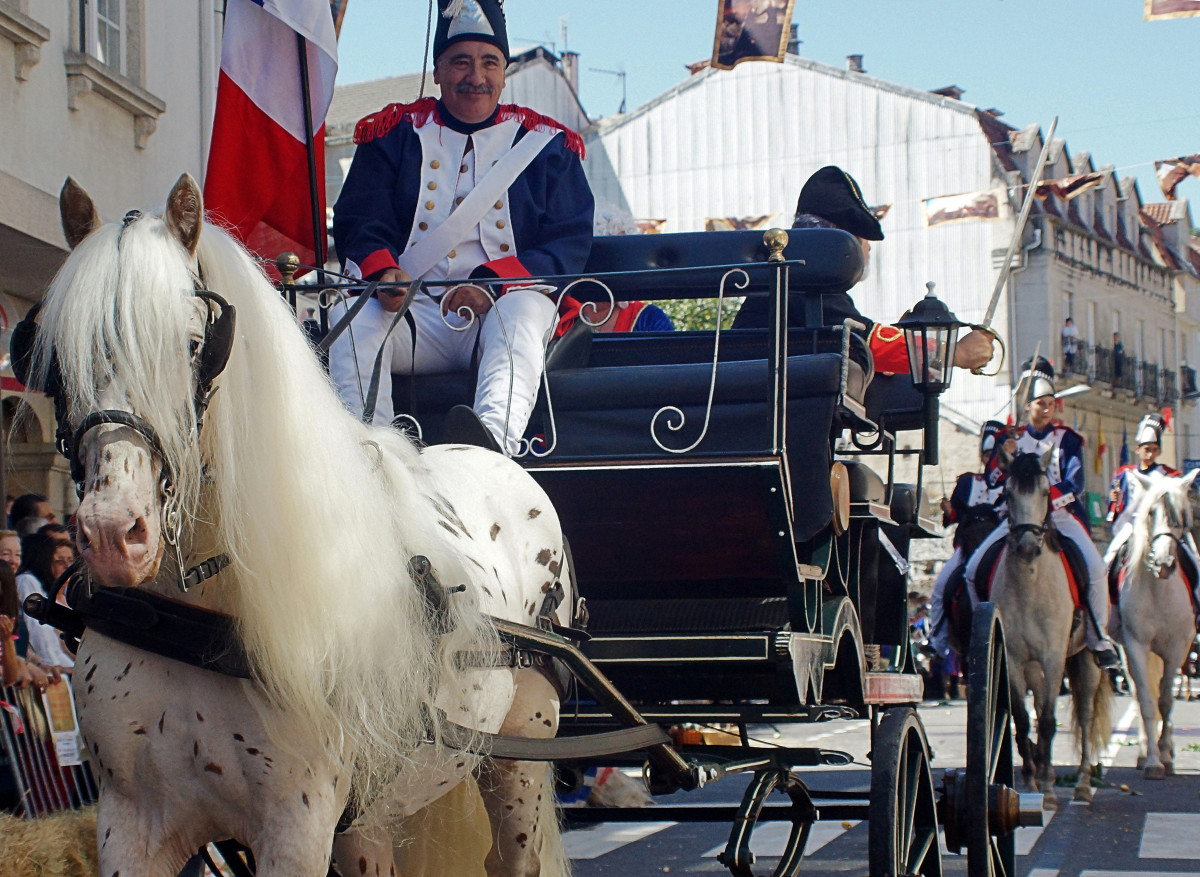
(1160, 9)
(751, 30)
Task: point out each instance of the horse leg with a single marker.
(1045, 696)
(357, 854)
(515, 793)
(1166, 738)
(1137, 656)
(1085, 678)
(132, 841)
(1021, 731)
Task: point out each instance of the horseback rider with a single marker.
(1067, 514)
(406, 211)
(1125, 496)
(972, 497)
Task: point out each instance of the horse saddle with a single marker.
(1073, 561)
(1119, 569)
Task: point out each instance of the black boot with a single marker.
(1107, 658)
(463, 427)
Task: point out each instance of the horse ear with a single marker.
(1188, 479)
(1045, 458)
(1144, 481)
(1003, 457)
(185, 212)
(77, 212)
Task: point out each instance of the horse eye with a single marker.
(193, 348)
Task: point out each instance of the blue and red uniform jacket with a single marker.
(1120, 482)
(550, 202)
(1065, 471)
(971, 490)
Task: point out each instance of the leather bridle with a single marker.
(210, 360)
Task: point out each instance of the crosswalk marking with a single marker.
(1028, 836)
(599, 840)
(1170, 836)
(770, 838)
(1120, 734)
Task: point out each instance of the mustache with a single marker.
(467, 88)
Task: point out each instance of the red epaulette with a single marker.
(1121, 470)
(534, 121)
(1058, 424)
(381, 122)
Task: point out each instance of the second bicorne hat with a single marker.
(477, 20)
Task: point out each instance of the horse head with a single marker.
(1027, 495)
(1163, 519)
(128, 342)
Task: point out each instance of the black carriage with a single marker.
(740, 561)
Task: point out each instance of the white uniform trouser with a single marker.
(1068, 527)
(507, 386)
(940, 625)
(1123, 531)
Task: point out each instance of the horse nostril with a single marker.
(138, 532)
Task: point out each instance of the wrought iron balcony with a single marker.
(1168, 394)
(1102, 365)
(1078, 364)
(1187, 382)
(1148, 381)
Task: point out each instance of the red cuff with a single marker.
(889, 349)
(379, 260)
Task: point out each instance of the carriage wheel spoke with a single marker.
(997, 856)
(912, 788)
(919, 849)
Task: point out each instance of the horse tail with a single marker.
(453, 836)
(1102, 720)
(552, 853)
(1082, 672)
(1154, 674)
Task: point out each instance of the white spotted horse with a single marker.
(354, 575)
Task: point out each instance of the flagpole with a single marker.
(310, 148)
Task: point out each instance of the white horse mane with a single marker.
(319, 513)
(1166, 491)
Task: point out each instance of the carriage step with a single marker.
(892, 688)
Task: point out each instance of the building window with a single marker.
(104, 33)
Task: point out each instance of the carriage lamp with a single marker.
(931, 334)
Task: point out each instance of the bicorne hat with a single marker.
(478, 20)
(1150, 430)
(1037, 380)
(987, 435)
(832, 194)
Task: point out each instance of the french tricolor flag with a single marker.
(258, 181)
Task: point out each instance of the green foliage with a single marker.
(688, 314)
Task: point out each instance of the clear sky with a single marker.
(1125, 90)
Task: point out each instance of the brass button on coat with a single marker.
(429, 205)
(432, 185)
(452, 254)
(504, 248)
(463, 169)
(500, 224)
(458, 200)
(499, 204)
(435, 164)
(423, 225)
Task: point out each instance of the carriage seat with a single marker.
(894, 403)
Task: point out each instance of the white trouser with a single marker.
(507, 386)
(939, 624)
(1068, 527)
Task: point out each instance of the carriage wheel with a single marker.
(902, 815)
(988, 797)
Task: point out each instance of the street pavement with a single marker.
(1133, 828)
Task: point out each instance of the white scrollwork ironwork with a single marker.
(676, 425)
(591, 305)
